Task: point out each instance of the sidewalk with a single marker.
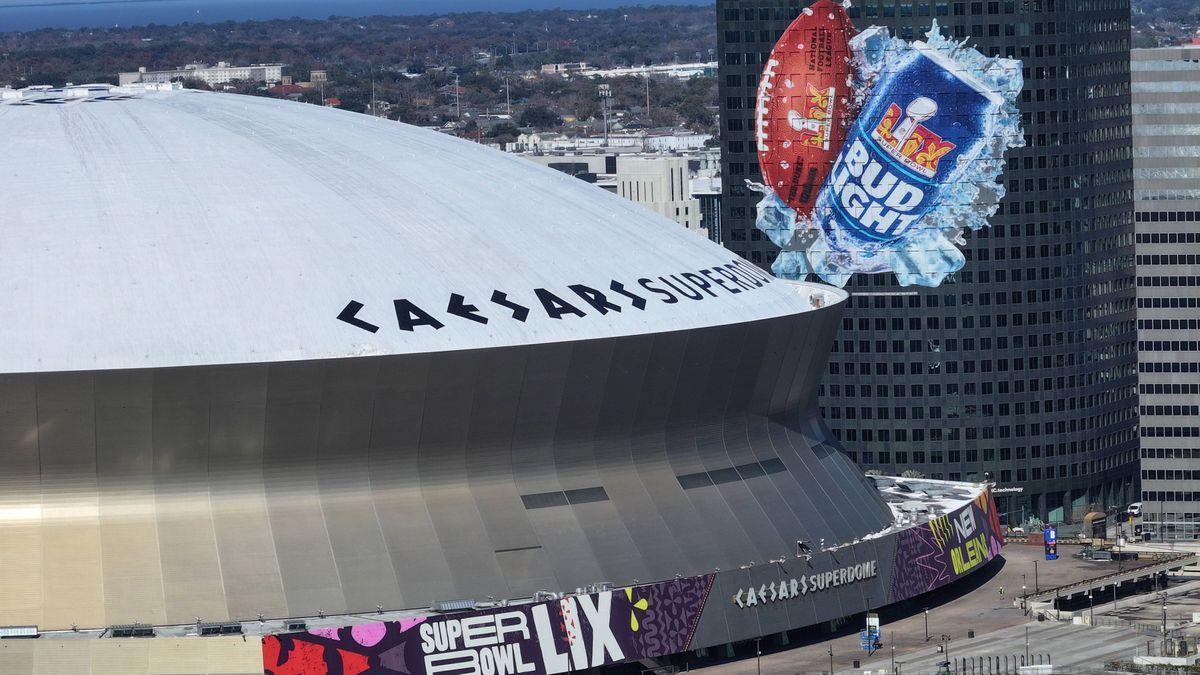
(983, 610)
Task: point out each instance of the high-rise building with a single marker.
(1166, 101)
(1023, 365)
(661, 185)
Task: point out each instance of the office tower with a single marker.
(1166, 100)
(1022, 365)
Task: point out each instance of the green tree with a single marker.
(505, 132)
(539, 117)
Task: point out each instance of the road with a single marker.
(978, 605)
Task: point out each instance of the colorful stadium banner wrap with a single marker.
(946, 548)
(579, 632)
(559, 636)
(877, 154)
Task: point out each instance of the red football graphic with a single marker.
(803, 104)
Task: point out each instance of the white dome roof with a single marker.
(144, 228)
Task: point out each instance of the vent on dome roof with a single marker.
(453, 605)
(544, 500)
(689, 481)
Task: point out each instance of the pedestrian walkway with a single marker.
(1069, 647)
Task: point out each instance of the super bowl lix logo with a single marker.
(910, 143)
(816, 121)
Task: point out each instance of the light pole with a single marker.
(1036, 587)
(1120, 558)
(926, 624)
(1091, 609)
(893, 639)
(1026, 646)
(605, 95)
(1163, 597)
(758, 654)
(831, 659)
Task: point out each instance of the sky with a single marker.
(21, 15)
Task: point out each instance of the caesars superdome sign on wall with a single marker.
(798, 587)
(876, 153)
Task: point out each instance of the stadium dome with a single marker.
(178, 227)
(269, 359)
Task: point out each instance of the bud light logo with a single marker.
(878, 201)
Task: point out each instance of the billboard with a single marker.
(558, 636)
(877, 154)
(946, 548)
(584, 631)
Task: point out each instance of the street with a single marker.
(983, 610)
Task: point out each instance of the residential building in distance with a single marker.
(1023, 365)
(563, 69)
(648, 140)
(220, 74)
(682, 71)
(1166, 165)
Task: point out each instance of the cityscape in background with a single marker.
(1048, 388)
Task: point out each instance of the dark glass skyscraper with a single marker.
(1023, 365)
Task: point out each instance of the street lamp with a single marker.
(830, 659)
(926, 624)
(1091, 609)
(605, 97)
(893, 652)
(1036, 587)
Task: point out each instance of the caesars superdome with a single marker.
(263, 359)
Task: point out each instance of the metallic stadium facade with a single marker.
(269, 360)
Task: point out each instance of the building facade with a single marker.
(707, 190)
(1166, 102)
(661, 184)
(1023, 365)
(220, 74)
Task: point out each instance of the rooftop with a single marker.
(153, 226)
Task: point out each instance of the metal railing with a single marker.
(1167, 564)
(1003, 664)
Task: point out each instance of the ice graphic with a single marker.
(927, 250)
